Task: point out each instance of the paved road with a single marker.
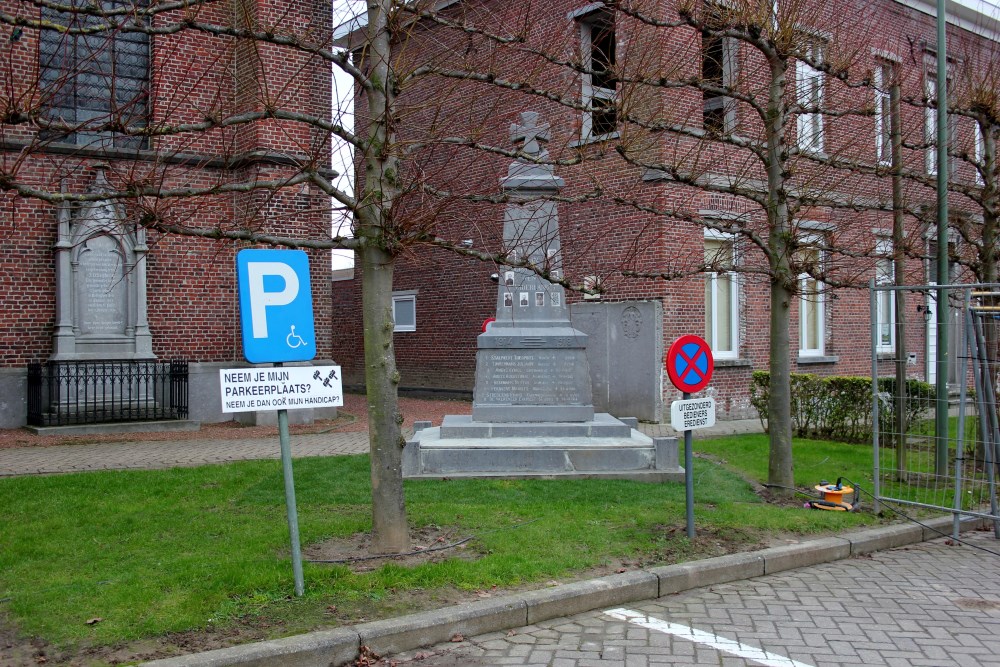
(931, 605)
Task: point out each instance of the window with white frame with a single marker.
(930, 123)
(721, 296)
(885, 300)
(597, 39)
(718, 64)
(812, 301)
(404, 311)
(809, 95)
(931, 120)
(884, 79)
(977, 150)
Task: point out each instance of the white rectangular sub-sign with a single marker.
(283, 388)
(692, 413)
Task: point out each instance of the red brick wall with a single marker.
(602, 237)
(192, 304)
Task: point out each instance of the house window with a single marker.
(931, 121)
(885, 301)
(721, 297)
(717, 67)
(812, 306)
(597, 37)
(95, 79)
(977, 150)
(885, 77)
(809, 94)
(932, 262)
(404, 311)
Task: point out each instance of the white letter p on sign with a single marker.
(260, 300)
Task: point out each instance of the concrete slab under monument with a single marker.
(605, 447)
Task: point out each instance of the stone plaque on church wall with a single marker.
(101, 288)
(100, 261)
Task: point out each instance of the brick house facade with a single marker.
(158, 81)
(445, 298)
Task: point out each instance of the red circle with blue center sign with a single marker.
(690, 363)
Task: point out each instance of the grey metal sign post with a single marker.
(689, 366)
(276, 317)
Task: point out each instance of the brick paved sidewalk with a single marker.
(168, 453)
(155, 454)
(932, 604)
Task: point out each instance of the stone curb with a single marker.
(328, 648)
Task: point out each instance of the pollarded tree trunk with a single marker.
(779, 408)
(374, 229)
(780, 470)
(389, 528)
(988, 249)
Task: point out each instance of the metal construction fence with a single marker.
(89, 392)
(949, 465)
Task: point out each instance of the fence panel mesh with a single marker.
(948, 465)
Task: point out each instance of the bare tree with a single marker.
(188, 150)
(775, 80)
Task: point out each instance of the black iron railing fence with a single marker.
(91, 392)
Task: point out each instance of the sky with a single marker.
(982, 6)
(343, 103)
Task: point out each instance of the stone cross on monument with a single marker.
(532, 134)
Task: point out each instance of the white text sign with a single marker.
(283, 388)
(693, 413)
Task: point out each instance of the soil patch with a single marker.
(430, 544)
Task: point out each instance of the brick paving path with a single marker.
(927, 605)
(167, 454)
(150, 454)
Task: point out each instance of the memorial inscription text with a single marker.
(529, 377)
(101, 291)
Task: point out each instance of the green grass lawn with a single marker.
(815, 460)
(926, 427)
(153, 552)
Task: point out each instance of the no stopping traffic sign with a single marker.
(690, 364)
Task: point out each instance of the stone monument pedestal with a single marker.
(604, 447)
(533, 408)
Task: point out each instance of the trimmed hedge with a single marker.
(840, 408)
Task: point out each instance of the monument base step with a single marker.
(482, 453)
(117, 427)
(647, 476)
(602, 425)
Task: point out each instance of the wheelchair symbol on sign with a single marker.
(293, 340)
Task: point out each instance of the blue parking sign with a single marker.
(276, 312)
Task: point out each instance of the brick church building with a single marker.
(584, 61)
(114, 318)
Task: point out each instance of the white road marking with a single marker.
(719, 643)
